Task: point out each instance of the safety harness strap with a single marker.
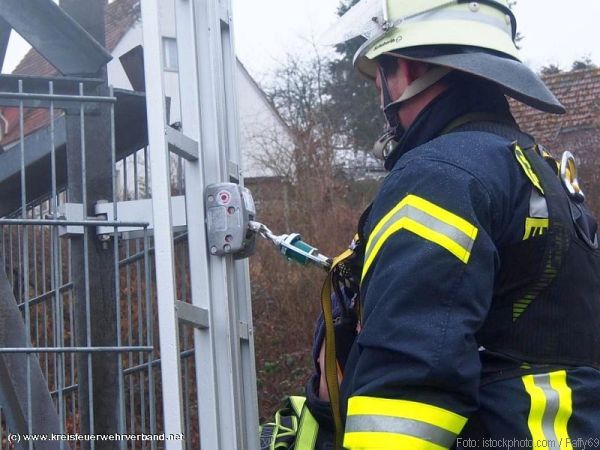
(331, 360)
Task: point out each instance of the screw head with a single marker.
(213, 250)
(474, 6)
(227, 248)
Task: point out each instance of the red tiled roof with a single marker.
(578, 91)
(120, 17)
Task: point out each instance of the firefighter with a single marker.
(479, 265)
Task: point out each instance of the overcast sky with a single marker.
(556, 31)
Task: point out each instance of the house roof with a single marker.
(119, 18)
(578, 91)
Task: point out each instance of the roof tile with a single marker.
(578, 91)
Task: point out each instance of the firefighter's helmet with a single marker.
(473, 37)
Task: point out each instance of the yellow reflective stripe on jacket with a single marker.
(390, 424)
(426, 220)
(527, 168)
(308, 429)
(551, 408)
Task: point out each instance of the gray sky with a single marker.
(556, 31)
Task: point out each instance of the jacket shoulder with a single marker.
(481, 163)
(487, 157)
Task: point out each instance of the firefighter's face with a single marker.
(397, 73)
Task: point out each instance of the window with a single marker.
(170, 54)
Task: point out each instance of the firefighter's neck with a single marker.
(413, 107)
(407, 72)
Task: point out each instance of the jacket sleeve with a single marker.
(427, 285)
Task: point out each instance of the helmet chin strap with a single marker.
(394, 132)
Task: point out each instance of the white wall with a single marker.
(256, 116)
(259, 124)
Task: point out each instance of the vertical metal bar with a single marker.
(135, 178)
(121, 394)
(163, 230)
(183, 282)
(138, 290)
(146, 174)
(25, 267)
(125, 190)
(86, 269)
(149, 337)
(3, 237)
(204, 340)
(10, 252)
(225, 377)
(180, 175)
(44, 305)
(36, 290)
(56, 272)
(72, 359)
(241, 282)
(130, 430)
(19, 265)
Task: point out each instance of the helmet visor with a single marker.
(366, 18)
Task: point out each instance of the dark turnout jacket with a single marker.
(424, 372)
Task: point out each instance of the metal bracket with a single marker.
(192, 315)
(139, 211)
(72, 212)
(234, 172)
(224, 13)
(245, 331)
(181, 145)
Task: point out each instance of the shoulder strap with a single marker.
(494, 123)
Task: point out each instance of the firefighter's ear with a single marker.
(412, 70)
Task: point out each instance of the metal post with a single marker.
(163, 232)
(88, 146)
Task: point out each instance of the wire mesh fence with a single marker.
(79, 347)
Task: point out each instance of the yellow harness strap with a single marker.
(331, 365)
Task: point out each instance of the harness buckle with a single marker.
(568, 176)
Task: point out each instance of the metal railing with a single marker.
(40, 273)
(84, 313)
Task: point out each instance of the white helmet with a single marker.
(472, 37)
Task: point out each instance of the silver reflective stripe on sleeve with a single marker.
(408, 427)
